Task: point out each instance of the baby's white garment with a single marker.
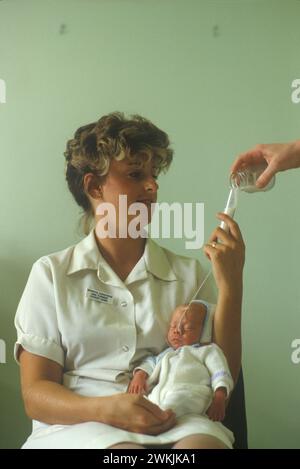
(187, 377)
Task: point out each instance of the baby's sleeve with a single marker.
(217, 365)
(36, 316)
(147, 365)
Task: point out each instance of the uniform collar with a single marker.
(86, 255)
(157, 262)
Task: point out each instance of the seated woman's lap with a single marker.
(196, 441)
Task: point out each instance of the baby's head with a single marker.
(186, 325)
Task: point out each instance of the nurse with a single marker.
(91, 312)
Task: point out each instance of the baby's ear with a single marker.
(201, 310)
(197, 305)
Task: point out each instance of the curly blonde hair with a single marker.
(112, 136)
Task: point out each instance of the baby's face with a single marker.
(188, 330)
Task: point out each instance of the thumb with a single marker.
(154, 409)
(265, 177)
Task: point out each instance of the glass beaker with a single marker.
(245, 179)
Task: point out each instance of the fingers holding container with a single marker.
(226, 250)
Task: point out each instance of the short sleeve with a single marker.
(36, 317)
(208, 296)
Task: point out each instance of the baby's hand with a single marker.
(138, 383)
(216, 410)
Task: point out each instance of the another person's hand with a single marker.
(137, 414)
(216, 410)
(227, 256)
(279, 157)
(138, 384)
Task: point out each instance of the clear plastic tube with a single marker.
(231, 206)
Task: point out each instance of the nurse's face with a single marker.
(127, 178)
(186, 329)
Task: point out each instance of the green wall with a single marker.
(216, 75)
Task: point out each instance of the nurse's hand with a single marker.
(278, 156)
(134, 413)
(227, 256)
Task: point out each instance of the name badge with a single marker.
(100, 296)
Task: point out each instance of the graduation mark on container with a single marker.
(2, 351)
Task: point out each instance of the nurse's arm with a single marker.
(228, 257)
(227, 329)
(47, 400)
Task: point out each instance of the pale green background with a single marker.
(215, 75)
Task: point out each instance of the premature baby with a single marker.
(187, 377)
